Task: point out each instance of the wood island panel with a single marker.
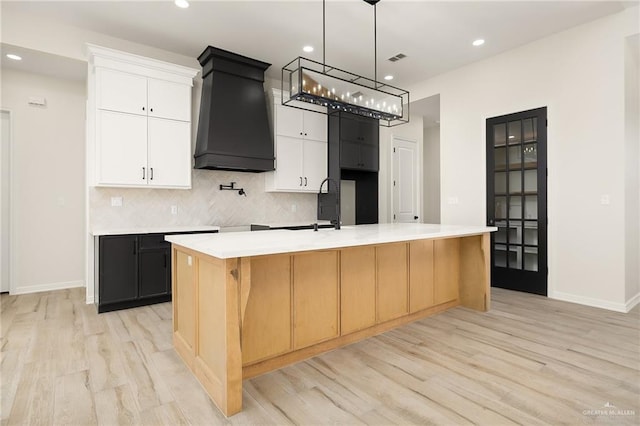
(446, 269)
(421, 275)
(315, 297)
(393, 292)
(240, 317)
(266, 330)
(184, 300)
(357, 288)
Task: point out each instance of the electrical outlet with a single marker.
(116, 201)
(174, 209)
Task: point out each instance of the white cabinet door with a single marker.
(315, 164)
(289, 173)
(315, 126)
(167, 99)
(120, 91)
(169, 153)
(289, 121)
(121, 148)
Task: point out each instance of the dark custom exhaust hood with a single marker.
(233, 129)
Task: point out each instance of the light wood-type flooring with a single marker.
(530, 360)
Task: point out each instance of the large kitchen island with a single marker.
(250, 302)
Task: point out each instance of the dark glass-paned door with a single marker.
(517, 200)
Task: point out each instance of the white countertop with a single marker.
(155, 230)
(290, 224)
(242, 244)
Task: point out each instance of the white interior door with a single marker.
(405, 181)
(5, 127)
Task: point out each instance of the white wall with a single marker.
(411, 131)
(47, 181)
(579, 75)
(5, 128)
(431, 174)
(632, 166)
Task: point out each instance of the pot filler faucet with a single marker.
(334, 221)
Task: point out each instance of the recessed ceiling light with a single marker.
(308, 48)
(388, 77)
(182, 3)
(478, 42)
(14, 57)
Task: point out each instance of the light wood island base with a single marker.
(236, 318)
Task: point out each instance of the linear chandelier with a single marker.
(317, 83)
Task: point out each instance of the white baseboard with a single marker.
(596, 303)
(631, 303)
(90, 300)
(47, 287)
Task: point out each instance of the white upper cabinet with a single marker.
(122, 92)
(300, 139)
(297, 123)
(167, 99)
(138, 121)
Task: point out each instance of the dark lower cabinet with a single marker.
(133, 270)
(155, 273)
(118, 268)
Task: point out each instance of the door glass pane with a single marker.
(501, 207)
(530, 130)
(530, 152)
(515, 157)
(500, 157)
(515, 257)
(514, 132)
(499, 134)
(515, 232)
(501, 234)
(531, 258)
(531, 233)
(531, 207)
(515, 207)
(500, 256)
(501, 183)
(531, 181)
(515, 182)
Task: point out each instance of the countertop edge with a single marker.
(296, 246)
(152, 230)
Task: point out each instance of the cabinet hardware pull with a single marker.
(151, 173)
(305, 134)
(143, 108)
(300, 180)
(165, 260)
(151, 110)
(305, 181)
(143, 173)
(300, 133)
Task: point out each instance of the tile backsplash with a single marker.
(204, 204)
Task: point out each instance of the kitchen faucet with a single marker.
(336, 222)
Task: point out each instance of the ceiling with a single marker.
(436, 36)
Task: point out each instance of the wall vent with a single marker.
(397, 57)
